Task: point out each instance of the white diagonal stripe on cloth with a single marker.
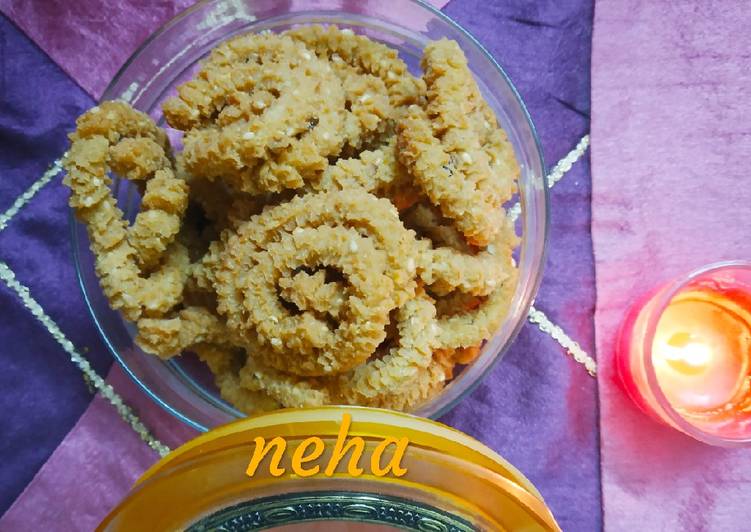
(30, 192)
(538, 317)
(558, 171)
(125, 412)
(535, 316)
(565, 164)
(554, 331)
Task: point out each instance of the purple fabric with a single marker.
(671, 146)
(41, 392)
(91, 39)
(110, 460)
(537, 407)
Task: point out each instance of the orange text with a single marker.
(306, 458)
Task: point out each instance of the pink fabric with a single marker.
(107, 457)
(102, 33)
(103, 36)
(671, 149)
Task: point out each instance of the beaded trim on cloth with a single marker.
(92, 378)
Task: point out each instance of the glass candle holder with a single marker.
(683, 354)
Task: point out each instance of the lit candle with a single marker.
(684, 354)
(700, 352)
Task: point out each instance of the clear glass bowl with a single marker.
(171, 55)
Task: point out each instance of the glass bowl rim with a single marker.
(534, 280)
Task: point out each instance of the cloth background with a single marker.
(670, 136)
(670, 149)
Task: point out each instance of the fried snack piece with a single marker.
(366, 56)
(167, 337)
(464, 169)
(312, 292)
(370, 114)
(243, 63)
(446, 268)
(263, 114)
(469, 313)
(303, 343)
(142, 270)
(288, 390)
(472, 327)
(349, 230)
(225, 363)
(405, 376)
(378, 171)
(212, 96)
(353, 208)
(372, 170)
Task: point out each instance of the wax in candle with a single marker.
(701, 352)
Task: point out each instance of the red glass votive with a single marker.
(683, 354)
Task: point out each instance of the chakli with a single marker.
(115, 137)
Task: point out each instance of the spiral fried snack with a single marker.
(332, 231)
(447, 263)
(344, 47)
(225, 364)
(459, 165)
(469, 328)
(474, 292)
(141, 268)
(262, 113)
(265, 113)
(349, 231)
(406, 375)
(167, 337)
(290, 391)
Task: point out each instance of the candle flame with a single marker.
(685, 353)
